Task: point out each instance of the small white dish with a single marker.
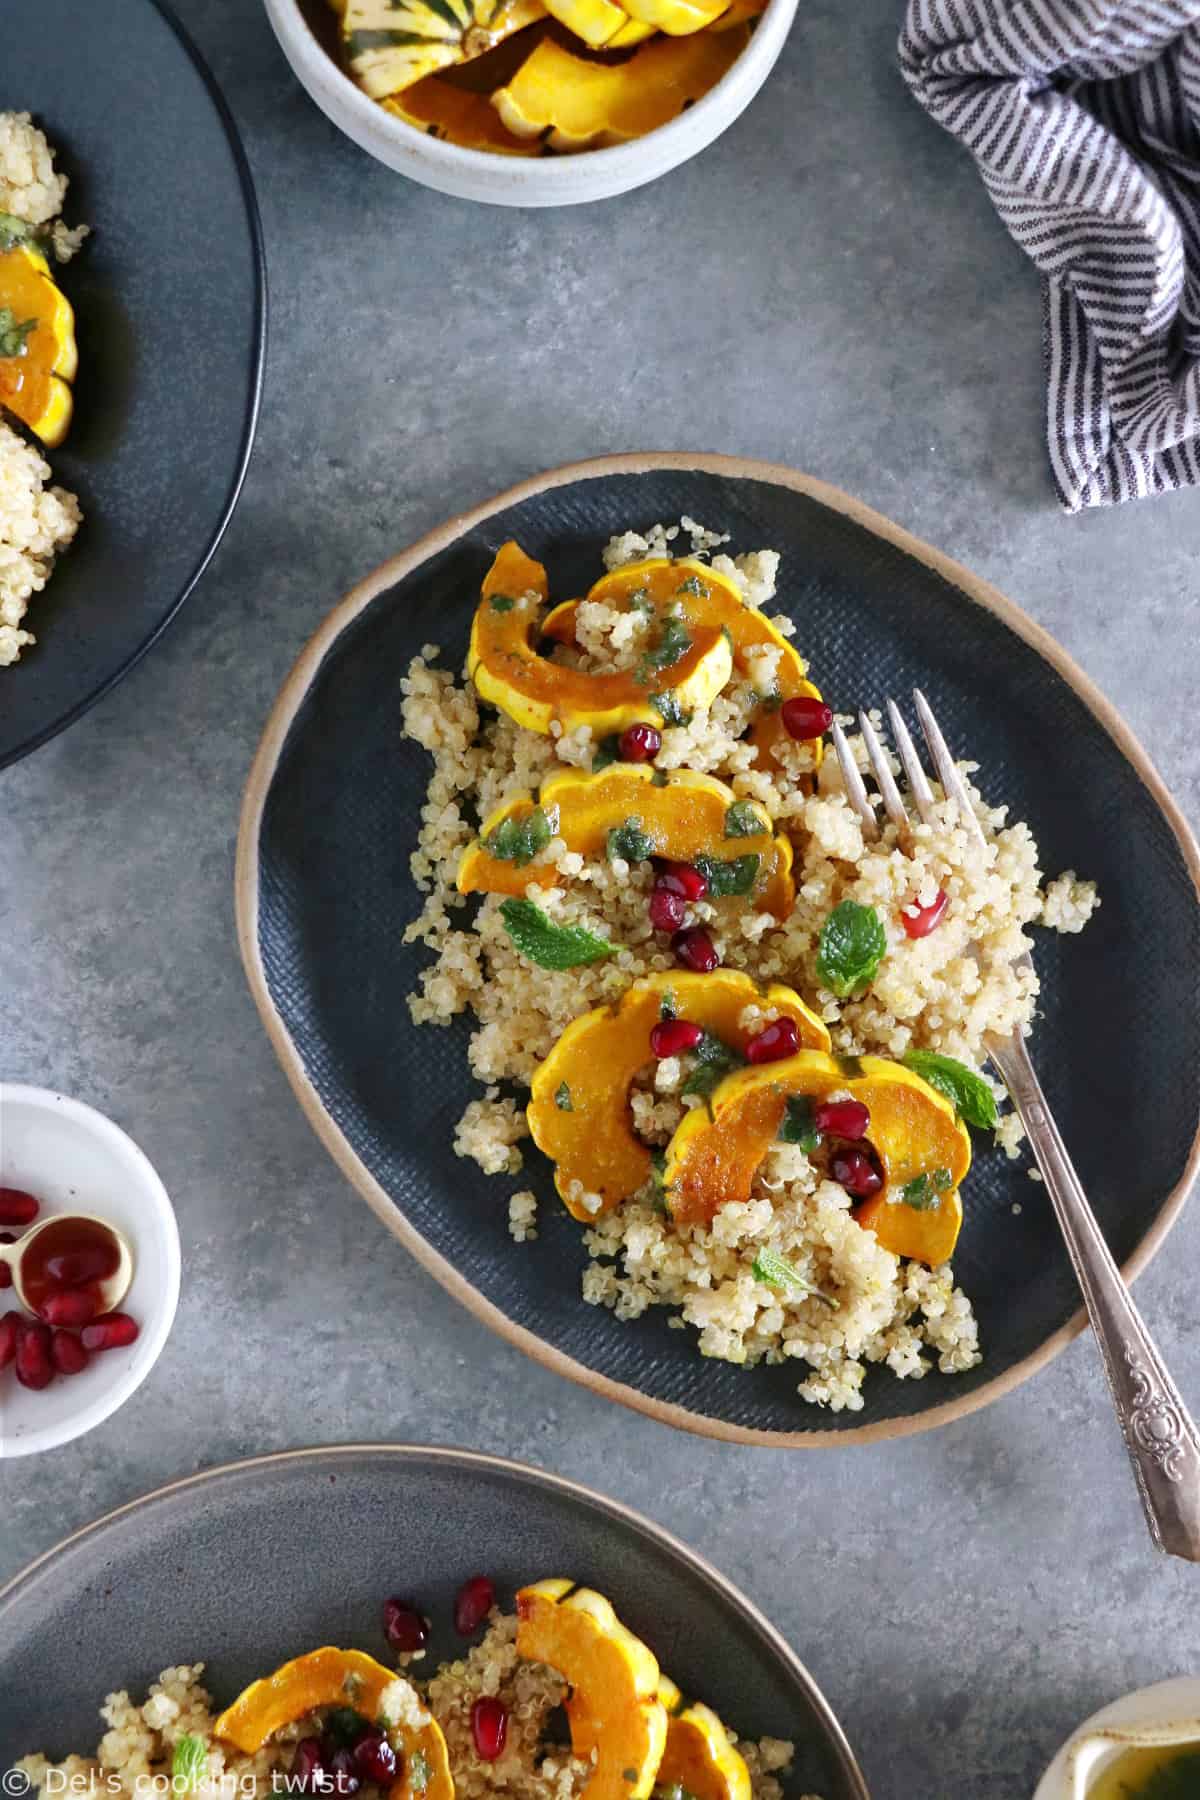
(518, 180)
(75, 1160)
(1167, 1713)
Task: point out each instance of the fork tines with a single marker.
(944, 765)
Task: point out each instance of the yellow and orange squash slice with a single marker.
(507, 668)
(331, 1677)
(388, 45)
(38, 355)
(713, 1156)
(707, 599)
(457, 115)
(579, 1112)
(679, 814)
(700, 1758)
(617, 1720)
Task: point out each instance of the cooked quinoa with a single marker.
(942, 992)
(135, 1753)
(37, 522)
(31, 188)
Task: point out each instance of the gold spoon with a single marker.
(111, 1291)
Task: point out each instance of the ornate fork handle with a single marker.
(1160, 1436)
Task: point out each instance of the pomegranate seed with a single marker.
(842, 1118)
(856, 1172)
(35, 1367)
(403, 1626)
(667, 909)
(489, 1727)
(6, 1278)
(682, 878)
(775, 1041)
(17, 1207)
(67, 1353)
(72, 1268)
(640, 743)
(10, 1330)
(308, 1769)
(696, 950)
(112, 1331)
(919, 924)
(671, 1037)
(343, 1775)
(804, 716)
(70, 1306)
(375, 1758)
(472, 1604)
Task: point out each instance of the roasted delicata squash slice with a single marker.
(38, 354)
(508, 670)
(701, 1758)
(572, 104)
(390, 44)
(617, 1720)
(458, 116)
(706, 598)
(601, 24)
(914, 1131)
(632, 810)
(579, 1112)
(330, 1677)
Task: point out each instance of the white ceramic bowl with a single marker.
(76, 1160)
(519, 180)
(1168, 1713)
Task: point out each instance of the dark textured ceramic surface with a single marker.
(169, 295)
(1118, 1019)
(256, 1562)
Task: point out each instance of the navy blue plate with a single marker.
(245, 1566)
(324, 892)
(170, 302)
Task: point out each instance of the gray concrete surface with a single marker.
(837, 294)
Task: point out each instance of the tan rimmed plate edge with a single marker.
(258, 785)
(772, 1639)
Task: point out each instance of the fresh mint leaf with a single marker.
(743, 819)
(674, 641)
(607, 751)
(798, 1124)
(640, 602)
(548, 945)
(418, 1772)
(715, 1059)
(13, 332)
(562, 1098)
(502, 603)
(777, 1271)
(14, 231)
(973, 1099)
(924, 1192)
(853, 943)
(189, 1764)
(692, 584)
(658, 1171)
(667, 706)
(629, 842)
(519, 840)
(666, 1006)
(724, 878)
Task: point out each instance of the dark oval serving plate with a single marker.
(170, 302)
(324, 891)
(275, 1556)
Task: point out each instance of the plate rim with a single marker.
(456, 1456)
(258, 258)
(291, 697)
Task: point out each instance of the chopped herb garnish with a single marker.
(344, 1724)
(629, 1775)
(189, 1764)
(14, 231)
(548, 945)
(13, 332)
(798, 1123)
(562, 1098)
(776, 1270)
(607, 751)
(772, 700)
(629, 842)
(851, 1067)
(692, 584)
(418, 1772)
(925, 1192)
(715, 1059)
(853, 943)
(675, 1790)
(674, 641)
(640, 601)
(666, 1006)
(502, 603)
(724, 878)
(658, 1172)
(667, 706)
(744, 820)
(519, 840)
(659, 778)
(973, 1099)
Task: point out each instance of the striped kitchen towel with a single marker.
(1084, 119)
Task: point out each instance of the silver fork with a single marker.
(1160, 1436)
